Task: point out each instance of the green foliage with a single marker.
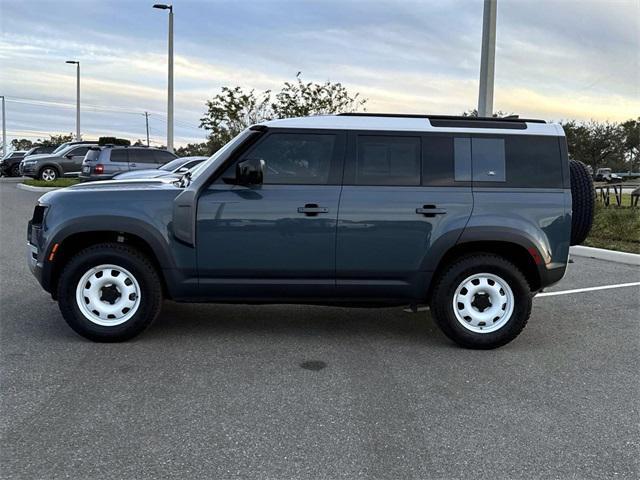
(54, 140)
(235, 109)
(615, 228)
(21, 144)
(204, 149)
(60, 182)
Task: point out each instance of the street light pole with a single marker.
(170, 79)
(77, 64)
(488, 58)
(4, 129)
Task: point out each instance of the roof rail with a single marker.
(509, 118)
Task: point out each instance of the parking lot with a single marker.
(220, 391)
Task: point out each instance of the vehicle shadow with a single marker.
(295, 320)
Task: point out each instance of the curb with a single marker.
(609, 255)
(29, 188)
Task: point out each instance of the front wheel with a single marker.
(48, 174)
(109, 292)
(481, 301)
(15, 171)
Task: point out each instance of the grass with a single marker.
(60, 182)
(615, 228)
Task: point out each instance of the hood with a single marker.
(40, 156)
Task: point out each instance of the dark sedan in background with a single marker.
(10, 164)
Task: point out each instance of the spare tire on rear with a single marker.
(583, 199)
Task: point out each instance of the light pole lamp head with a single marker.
(163, 6)
(75, 62)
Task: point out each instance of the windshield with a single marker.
(204, 166)
(60, 148)
(172, 165)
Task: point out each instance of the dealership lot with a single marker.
(218, 391)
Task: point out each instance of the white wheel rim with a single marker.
(48, 175)
(108, 295)
(483, 303)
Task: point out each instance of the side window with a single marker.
(162, 156)
(80, 151)
(382, 160)
(488, 159)
(438, 167)
(533, 161)
(295, 158)
(119, 155)
(140, 155)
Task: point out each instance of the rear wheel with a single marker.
(583, 200)
(481, 301)
(109, 292)
(48, 174)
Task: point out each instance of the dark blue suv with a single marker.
(469, 216)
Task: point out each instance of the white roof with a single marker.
(408, 124)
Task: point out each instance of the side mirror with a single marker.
(183, 170)
(69, 155)
(250, 171)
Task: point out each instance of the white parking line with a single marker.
(588, 289)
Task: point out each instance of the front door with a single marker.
(276, 239)
(72, 161)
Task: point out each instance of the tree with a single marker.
(235, 109)
(599, 144)
(21, 144)
(203, 149)
(55, 140)
(631, 143)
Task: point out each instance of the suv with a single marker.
(472, 217)
(10, 164)
(63, 162)
(103, 163)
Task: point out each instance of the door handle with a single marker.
(430, 211)
(312, 209)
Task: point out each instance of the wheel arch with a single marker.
(521, 255)
(70, 244)
(57, 168)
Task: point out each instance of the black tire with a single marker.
(15, 171)
(126, 257)
(583, 199)
(454, 275)
(48, 174)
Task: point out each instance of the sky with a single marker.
(555, 59)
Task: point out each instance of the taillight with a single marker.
(98, 168)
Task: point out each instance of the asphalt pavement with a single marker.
(301, 392)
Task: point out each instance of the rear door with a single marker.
(404, 201)
(141, 158)
(118, 161)
(162, 157)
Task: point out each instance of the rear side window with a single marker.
(162, 156)
(382, 160)
(140, 155)
(488, 159)
(119, 155)
(80, 151)
(533, 161)
(296, 158)
(438, 161)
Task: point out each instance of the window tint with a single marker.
(292, 158)
(119, 155)
(462, 159)
(385, 160)
(79, 151)
(140, 155)
(437, 160)
(488, 159)
(162, 156)
(533, 161)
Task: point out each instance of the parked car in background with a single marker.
(63, 162)
(10, 164)
(606, 175)
(103, 163)
(177, 166)
(75, 142)
(41, 150)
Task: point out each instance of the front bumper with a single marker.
(34, 257)
(28, 170)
